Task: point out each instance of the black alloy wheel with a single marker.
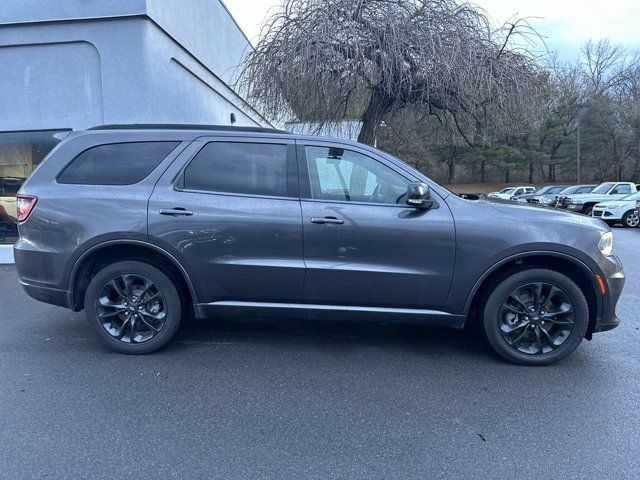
(535, 316)
(134, 306)
(131, 308)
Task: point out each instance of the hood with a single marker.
(524, 211)
(584, 195)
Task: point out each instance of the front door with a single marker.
(363, 246)
(228, 209)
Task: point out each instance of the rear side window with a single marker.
(245, 168)
(116, 164)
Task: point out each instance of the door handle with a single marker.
(176, 212)
(327, 220)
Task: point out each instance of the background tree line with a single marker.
(435, 83)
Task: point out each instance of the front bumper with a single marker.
(614, 279)
(605, 214)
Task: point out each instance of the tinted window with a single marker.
(248, 168)
(116, 164)
(337, 174)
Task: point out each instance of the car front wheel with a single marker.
(631, 219)
(535, 317)
(134, 307)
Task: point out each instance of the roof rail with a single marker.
(168, 126)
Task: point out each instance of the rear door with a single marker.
(229, 210)
(363, 246)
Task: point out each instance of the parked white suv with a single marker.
(511, 192)
(619, 211)
(605, 192)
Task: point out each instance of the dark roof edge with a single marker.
(169, 126)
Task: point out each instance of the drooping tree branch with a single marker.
(324, 60)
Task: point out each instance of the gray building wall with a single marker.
(73, 64)
(78, 63)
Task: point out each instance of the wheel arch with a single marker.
(100, 255)
(568, 265)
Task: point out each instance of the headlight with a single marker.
(545, 200)
(610, 205)
(605, 245)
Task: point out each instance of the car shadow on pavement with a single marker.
(334, 336)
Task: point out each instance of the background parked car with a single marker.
(9, 187)
(472, 196)
(555, 189)
(584, 202)
(572, 190)
(619, 211)
(549, 195)
(511, 192)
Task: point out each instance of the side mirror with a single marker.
(419, 195)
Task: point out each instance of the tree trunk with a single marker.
(506, 176)
(452, 170)
(451, 164)
(483, 171)
(531, 173)
(474, 172)
(379, 105)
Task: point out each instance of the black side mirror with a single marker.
(419, 195)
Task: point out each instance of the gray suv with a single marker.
(141, 226)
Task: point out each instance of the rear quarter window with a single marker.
(116, 163)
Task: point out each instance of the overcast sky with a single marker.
(565, 24)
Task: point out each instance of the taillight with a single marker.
(25, 204)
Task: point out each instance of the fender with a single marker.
(576, 261)
(167, 255)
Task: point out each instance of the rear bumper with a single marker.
(49, 295)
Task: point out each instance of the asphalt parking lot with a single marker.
(266, 399)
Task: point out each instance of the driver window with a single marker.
(622, 189)
(344, 175)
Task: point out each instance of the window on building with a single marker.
(337, 174)
(244, 168)
(116, 164)
(20, 154)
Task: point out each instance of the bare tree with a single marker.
(325, 60)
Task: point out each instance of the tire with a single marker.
(498, 310)
(134, 290)
(587, 210)
(631, 219)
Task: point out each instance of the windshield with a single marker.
(633, 196)
(542, 190)
(508, 190)
(554, 190)
(603, 187)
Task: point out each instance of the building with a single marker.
(72, 64)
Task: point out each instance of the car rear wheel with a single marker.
(535, 317)
(631, 219)
(134, 307)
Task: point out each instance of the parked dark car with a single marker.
(139, 225)
(548, 191)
